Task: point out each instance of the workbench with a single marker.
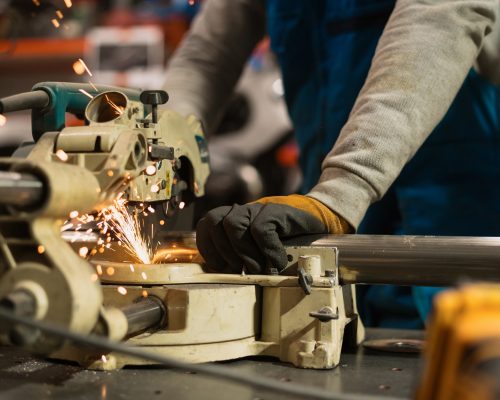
(362, 373)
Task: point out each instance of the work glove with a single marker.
(247, 238)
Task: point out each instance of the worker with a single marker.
(366, 82)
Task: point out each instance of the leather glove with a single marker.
(249, 236)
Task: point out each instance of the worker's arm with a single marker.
(204, 70)
(422, 59)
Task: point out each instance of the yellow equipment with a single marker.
(462, 358)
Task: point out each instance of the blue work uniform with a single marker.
(450, 187)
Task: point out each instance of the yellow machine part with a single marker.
(463, 338)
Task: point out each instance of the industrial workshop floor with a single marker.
(365, 372)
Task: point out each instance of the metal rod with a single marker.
(20, 189)
(147, 313)
(412, 260)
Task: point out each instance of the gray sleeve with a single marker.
(421, 61)
(203, 71)
(488, 61)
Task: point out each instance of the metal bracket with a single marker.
(328, 260)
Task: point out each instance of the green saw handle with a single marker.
(49, 102)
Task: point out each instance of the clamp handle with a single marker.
(154, 98)
(305, 281)
(324, 314)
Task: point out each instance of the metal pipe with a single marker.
(411, 260)
(147, 313)
(20, 189)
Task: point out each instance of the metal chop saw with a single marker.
(302, 315)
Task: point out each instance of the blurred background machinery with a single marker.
(128, 43)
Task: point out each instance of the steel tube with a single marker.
(20, 189)
(411, 260)
(147, 313)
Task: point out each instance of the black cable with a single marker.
(216, 371)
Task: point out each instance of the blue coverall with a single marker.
(450, 187)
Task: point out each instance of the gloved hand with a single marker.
(232, 237)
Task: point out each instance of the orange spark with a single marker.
(85, 93)
(78, 68)
(93, 86)
(61, 155)
(83, 251)
(117, 109)
(85, 66)
(55, 22)
(124, 224)
(150, 170)
(122, 290)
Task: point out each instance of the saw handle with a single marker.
(49, 102)
(24, 101)
(67, 97)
